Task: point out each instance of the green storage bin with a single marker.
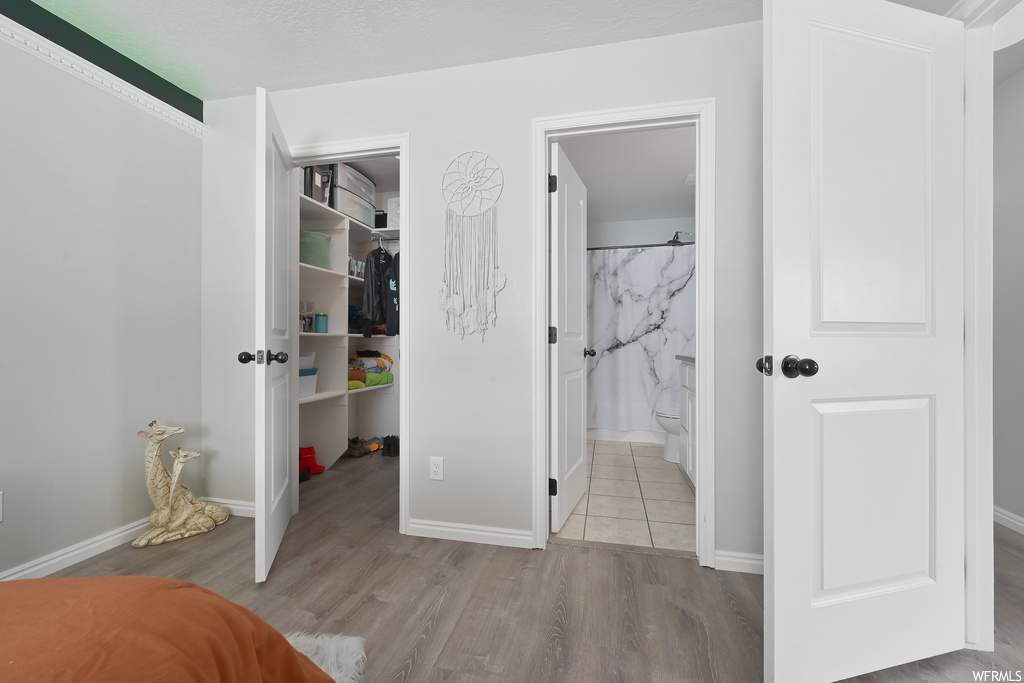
(315, 249)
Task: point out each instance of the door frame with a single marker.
(663, 115)
(361, 148)
(980, 18)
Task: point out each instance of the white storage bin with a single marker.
(355, 182)
(351, 205)
(307, 382)
(306, 360)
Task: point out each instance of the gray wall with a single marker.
(480, 420)
(100, 276)
(1008, 352)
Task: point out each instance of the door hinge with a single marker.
(552, 183)
(552, 335)
(552, 487)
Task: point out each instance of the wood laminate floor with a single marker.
(435, 610)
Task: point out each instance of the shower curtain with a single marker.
(642, 313)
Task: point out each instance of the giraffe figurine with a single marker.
(177, 513)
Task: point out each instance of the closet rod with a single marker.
(640, 246)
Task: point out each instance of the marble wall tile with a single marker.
(642, 313)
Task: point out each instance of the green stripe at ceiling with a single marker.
(52, 27)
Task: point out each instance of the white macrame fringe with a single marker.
(471, 282)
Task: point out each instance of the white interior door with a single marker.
(276, 313)
(568, 219)
(864, 499)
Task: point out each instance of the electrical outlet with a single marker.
(437, 468)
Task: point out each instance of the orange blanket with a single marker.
(138, 628)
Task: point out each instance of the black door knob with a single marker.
(793, 366)
(280, 357)
(764, 366)
(246, 357)
(589, 352)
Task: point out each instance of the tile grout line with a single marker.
(643, 500)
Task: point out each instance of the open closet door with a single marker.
(276, 236)
(568, 228)
(864, 320)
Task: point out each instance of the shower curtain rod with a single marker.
(641, 246)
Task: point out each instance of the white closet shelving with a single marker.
(333, 414)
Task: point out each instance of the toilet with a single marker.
(668, 418)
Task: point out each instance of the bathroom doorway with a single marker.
(650, 215)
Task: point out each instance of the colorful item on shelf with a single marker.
(315, 249)
(374, 379)
(371, 364)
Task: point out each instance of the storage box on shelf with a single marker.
(352, 180)
(352, 205)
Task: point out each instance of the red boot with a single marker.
(307, 461)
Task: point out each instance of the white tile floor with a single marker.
(634, 497)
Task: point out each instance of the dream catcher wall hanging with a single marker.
(471, 186)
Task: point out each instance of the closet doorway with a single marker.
(650, 248)
(377, 411)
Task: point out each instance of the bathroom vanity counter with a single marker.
(687, 360)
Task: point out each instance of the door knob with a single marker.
(280, 357)
(246, 357)
(589, 352)
(764, 366)
(799, 367)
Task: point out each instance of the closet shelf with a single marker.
(318, 217)
(373, 388)
(323, 335)
(323, 274)
(321, 396)
(366, 232)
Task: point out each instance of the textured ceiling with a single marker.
(223, 48)
(636, 175)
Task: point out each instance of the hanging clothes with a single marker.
(375, 288)
(391, 307)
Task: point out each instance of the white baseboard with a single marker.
(512, 538)
(1009, 520)
(747, 563)
(54, 562)
(79, 552)
(633, 436)
(236, 508)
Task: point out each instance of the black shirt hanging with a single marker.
(375, 288)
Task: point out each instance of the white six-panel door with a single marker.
(864, 500)
(568, 221)
(276, 312)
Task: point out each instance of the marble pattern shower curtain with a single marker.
(642, 313)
